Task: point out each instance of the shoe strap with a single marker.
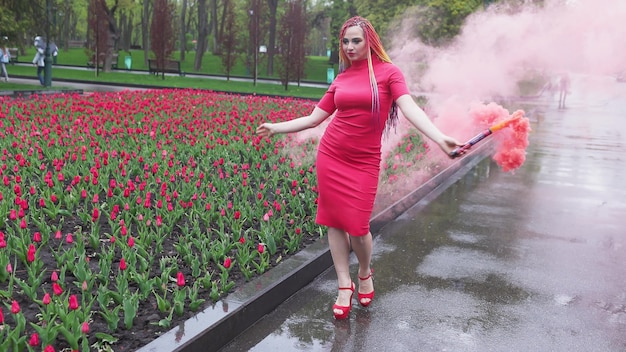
(368, 276)
(351, 288)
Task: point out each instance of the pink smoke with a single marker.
(496, 47)
(501, 46)
(511, 141)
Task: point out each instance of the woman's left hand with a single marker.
(448, 144)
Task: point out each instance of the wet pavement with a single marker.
(494, 261)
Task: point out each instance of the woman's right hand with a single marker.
(266, 130)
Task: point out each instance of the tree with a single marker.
(99, 36)
(381, 12)
(145, 31)
(292, 36)
(103, 33)
(162, 33)
(339, 13)
(228, 40)
(254, 29)
(183, 31)
(444, 18)
(203, 32)
(272, 5)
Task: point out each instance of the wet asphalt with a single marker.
(533, 260)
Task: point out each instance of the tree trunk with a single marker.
(272, 5)
(145, 31)
(214, 25)
(203, 31)
(183, 31)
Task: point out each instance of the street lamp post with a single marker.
(254, 17)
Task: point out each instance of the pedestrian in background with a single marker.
(5, 58)
(39, 59)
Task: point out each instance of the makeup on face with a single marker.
(353, 43)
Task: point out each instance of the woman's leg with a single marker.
(339, 244)
(40, 75)
(4, 72)
(362, 247)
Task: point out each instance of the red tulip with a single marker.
(15, 307)
(122, 264)
(56, 289)
(46, 299)
(227, 262)
(48, 348)
(261, 248)
(34, 340)
(180, 279)
(37, 237)
(73, 302)
(30, 256)
(84, 328)
(1, 316)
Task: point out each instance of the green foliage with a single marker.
(8, 27)
(443, 19)
(381, 12)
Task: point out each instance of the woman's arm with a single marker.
(418, 118)
(296, 125)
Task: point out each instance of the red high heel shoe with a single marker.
(370, 295)
(345, 310)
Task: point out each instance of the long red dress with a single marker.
(348, 158)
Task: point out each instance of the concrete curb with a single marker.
(217, 325)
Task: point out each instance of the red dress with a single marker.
(348, 157)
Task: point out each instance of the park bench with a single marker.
(14, 55)
(171, 66)
(72, 44)
(114, 60)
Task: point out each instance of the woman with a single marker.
(364, 98)
(5, 58)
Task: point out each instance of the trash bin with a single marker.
(128, 61)
(330, 75)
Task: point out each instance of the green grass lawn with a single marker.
(316, 71)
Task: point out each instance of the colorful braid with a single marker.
(375, 46)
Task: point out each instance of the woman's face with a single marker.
(353, 43)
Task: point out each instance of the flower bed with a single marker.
(123, 213)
